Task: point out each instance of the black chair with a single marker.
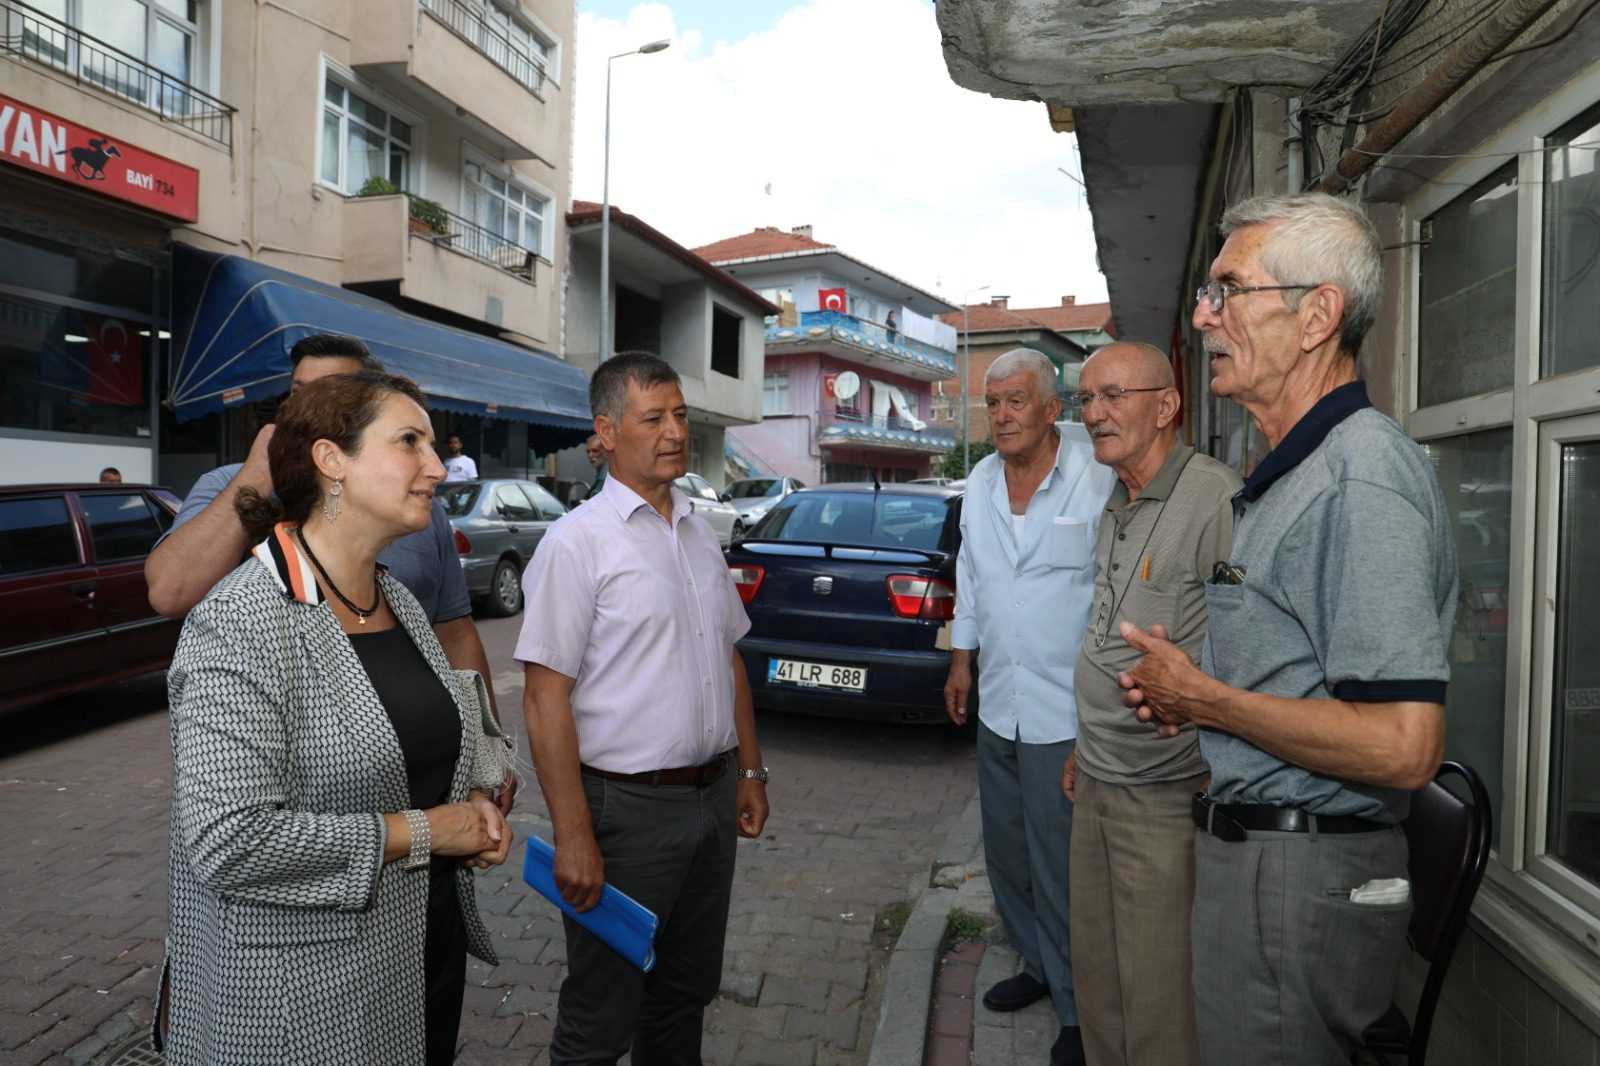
(1449, 840)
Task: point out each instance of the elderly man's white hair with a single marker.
(1018, 360)
(1319, 239)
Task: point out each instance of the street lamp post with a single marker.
(605, 204)
(966, 377)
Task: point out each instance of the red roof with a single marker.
(1070, 317)
(767, 240)
(587, 212)
(1067, 318)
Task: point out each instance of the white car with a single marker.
(703, 498)
(755, 496)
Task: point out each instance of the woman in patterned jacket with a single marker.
(322, 825)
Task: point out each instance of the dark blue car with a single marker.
(848, 588)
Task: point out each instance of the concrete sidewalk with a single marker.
(931, 1011)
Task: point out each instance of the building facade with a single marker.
(851, 358)
(1471, 136)
(667, 300)
(987, 331)
(391, 157)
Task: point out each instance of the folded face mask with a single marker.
(1382, 890)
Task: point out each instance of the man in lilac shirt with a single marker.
(643, 733)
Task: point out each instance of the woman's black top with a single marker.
(424, 716)
(428, 727)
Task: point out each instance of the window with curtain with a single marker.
(506, 209)
(361, 141)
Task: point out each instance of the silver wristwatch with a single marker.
(754, 775)
(421, 852)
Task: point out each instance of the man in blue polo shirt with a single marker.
(1320, 696)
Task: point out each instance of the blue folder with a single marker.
(619, 920)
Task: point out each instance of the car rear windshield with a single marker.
(879, 520)
(755, 488)
(458, 500)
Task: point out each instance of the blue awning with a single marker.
(235, 321)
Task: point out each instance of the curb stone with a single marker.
(902, 1031)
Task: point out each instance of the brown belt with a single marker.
(698, 776)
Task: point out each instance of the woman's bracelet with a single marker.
(421, 841)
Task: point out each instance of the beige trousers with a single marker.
(1132, 886)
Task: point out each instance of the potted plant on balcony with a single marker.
(429, 218)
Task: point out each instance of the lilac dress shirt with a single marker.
(643, 615)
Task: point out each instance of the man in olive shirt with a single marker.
(1168, 522)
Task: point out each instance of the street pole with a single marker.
(603, 334)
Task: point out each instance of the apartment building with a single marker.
(851, 358)
(709, 326)
(189, 186)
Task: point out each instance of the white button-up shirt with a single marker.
(643, 615)
(1023, 600)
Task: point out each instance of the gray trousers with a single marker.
(1027, 841)
(1286, 969)
(672, 849)
(1132, 888)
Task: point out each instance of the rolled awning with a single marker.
(235, 321)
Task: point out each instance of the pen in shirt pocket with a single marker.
(1144, 574)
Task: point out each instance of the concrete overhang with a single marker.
(1143, 167)
(1084, 53)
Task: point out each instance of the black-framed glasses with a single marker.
(1216, 293)
(1112, 395)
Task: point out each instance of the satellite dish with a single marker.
(847, 384)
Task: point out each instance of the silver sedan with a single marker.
(498, 523)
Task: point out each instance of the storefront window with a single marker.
(1469, 292)
(76, 339)
(1571, 310)
(1475, 473)
(1573, 833)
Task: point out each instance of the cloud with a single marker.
(845, 110)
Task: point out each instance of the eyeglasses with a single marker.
(1112, 395)
(1216, 293)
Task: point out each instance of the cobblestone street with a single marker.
(858, 812)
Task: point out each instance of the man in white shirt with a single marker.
(459, 466)
(1024, 581)
(642, 728)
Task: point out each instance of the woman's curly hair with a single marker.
(338, 408)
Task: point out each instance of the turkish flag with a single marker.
(831, 300)
(116, 364)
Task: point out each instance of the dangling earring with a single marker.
(330, 502)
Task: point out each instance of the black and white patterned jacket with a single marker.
(289, 940)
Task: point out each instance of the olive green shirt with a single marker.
(1152, 558)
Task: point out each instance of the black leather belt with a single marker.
(698, 776)
(1234, 822)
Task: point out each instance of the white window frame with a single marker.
(202, 34)
(770, 382)
(473, 156)
(551, 41)
(1542, 415)
(332, 69)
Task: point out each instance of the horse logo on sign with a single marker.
(90, 163)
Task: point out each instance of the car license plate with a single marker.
(817, 675)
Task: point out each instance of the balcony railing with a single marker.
(29, 34)
(865, 335)
(449, 230)
(468, 22)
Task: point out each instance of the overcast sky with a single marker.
(836, 113)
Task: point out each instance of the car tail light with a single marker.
(747, 579)
(928, 598)
(463, 545)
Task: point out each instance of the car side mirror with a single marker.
(726, 497)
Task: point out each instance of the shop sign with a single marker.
(46, 144)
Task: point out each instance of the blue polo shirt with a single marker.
(425, 562)
(1349, 593)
